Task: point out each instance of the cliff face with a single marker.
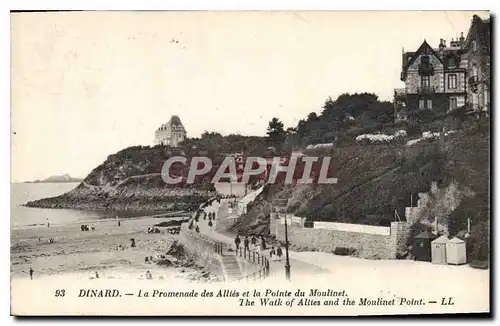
(131, 180)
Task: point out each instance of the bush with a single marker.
(415, 230)
(414, 129)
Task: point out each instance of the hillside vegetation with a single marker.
(377, 180)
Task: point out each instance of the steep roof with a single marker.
(478, 27)
(424, 48)
(174, 121)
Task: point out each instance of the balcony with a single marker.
(473, 82)
(426, 69)
(426, 90)
(399, 93)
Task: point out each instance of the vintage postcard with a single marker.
(265, 163)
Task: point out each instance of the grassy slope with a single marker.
(375, 180)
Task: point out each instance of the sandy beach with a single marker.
(80, 254)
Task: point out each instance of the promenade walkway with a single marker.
(277, 268)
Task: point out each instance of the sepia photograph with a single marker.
(236, 163)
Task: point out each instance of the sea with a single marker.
(21, 216)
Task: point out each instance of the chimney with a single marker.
(441, 44)
(462, 39)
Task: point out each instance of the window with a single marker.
(421, 104)
(425, 59)
(474, 70)
(426, 82)
(485, 96)
(452, 81)
(429, 104)
(474, 46)
(453, 103)
(452, 62)
(474, 100)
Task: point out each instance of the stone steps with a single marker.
(231, 266)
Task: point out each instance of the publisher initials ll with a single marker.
(447, 301)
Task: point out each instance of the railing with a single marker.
(261, 260)
(426, 89)
(253, 257)
(473, 83)
(399, 92)
(473, 79)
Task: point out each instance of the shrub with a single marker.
(415, 230)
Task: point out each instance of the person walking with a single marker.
(272, 254)
(31, 273)
(246, 243)
(197, 229)
(148, 275)
(279, 253)
(237, 242)
(262, 243)
(254, 240)
(210, 224)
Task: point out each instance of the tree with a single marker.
(312, 117)
(276, 132)
(334, 114)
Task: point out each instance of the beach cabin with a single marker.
(422, 246)
(438, 250)
(456, 253)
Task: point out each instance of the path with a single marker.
(298, 267)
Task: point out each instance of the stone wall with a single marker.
(367, 245)
(204, 254)
(414, 80)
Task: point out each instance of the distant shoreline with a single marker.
(146, 198)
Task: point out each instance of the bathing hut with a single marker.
(456, 253)
(438, 250)
(422, 246)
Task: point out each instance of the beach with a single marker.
(80, 254)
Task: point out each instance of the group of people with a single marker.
(258, 242)
(254, 242)
(211, 219)
(86, 227)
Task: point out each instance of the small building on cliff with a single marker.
(171, 133)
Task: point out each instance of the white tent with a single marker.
(438, 250)
(456, 253)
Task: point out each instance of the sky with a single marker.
(85, 85)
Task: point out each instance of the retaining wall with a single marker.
(203, 254)
(369, 241)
